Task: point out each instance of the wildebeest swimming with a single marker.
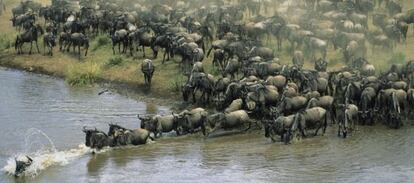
(22, 163)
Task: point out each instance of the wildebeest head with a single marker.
(150, 123)
(88, 135)
(268, 127)
(97, 139)
(210, 122)
(365, 115)
(22, 163)
(113, 128)
(186, 91)
(181, 121)
(321, 65)
(144, 120)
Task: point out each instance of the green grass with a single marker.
(5, 42)
(100, 42)
(114, 61)
(177, 82)
(397, 58)
(83, 74)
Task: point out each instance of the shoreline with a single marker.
(128, 89)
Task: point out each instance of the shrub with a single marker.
(397, 58)
(83, 74)
(101, 41)
(5, 42)
(114, 61)
(176, 83)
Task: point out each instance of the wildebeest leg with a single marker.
(124, 46)
(143, 50)
(31, 45)
(194, 95)
(272, 138)
(303, 130)
(324, 53)
(317, 130)
(167, 51)
(61, 46)
(339, 129)
(208, 53)
(203, 47)
(113, 48)
(202, 98)
(44, 47)
(86, 50)
(17, 46)
(286, 137)
(154, 52)
(119, 47)
(131, 49)
(163, 59)
(279, 42)
(249, 125)
(37, 46)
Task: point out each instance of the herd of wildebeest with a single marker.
(253, 88)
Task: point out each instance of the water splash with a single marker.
(43, 160)
(31, 141)
(45, 154)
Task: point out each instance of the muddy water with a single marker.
(374, 154)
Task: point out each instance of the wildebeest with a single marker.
(147, 68)
(236, 119)
(120, 37)
(124, 136)
(159, 124)
(30, 36)
(22, 163)
(96, 139)
(78, 40)
(310, 119)
(49, 41)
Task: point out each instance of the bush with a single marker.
(5, 42)
(397, 58)
(114, 61)
(101, 41)
(176, 83)
(83, 74)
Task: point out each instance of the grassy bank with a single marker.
(102, 66)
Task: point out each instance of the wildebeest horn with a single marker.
(84, 128)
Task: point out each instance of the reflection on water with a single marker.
(373, 154)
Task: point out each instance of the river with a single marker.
(32, 102)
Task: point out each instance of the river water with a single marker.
(31, 102)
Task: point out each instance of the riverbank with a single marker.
(128, 89)
(82, 73)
